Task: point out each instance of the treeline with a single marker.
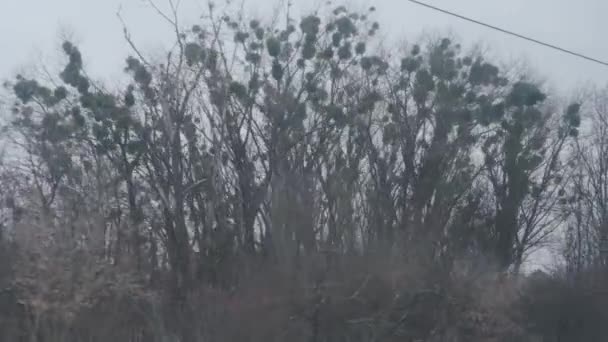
(296, 181)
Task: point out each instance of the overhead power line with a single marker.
(536, 41)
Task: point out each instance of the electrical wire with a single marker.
(536, 41)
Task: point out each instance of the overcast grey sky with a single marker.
(32, 29)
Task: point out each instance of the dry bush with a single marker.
(362, 300)
(567, 307)
(352, 298)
